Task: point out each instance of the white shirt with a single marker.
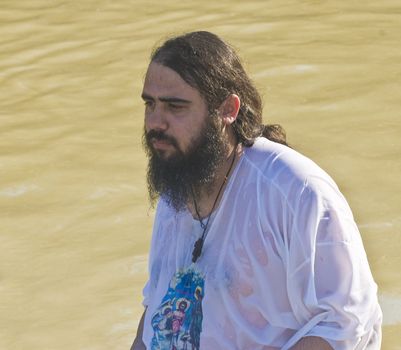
(283, 259)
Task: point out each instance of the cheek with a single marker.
(186, 129)
(185, 136)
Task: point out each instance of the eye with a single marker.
(175, 106)
(148, 103)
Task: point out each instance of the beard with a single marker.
(184, 174)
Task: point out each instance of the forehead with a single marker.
(161, 81)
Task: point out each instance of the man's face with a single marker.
(175, 112)
(184, 143)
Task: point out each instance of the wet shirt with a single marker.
(283, 259)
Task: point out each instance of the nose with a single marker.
(155, 119)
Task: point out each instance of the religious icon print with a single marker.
(177, 322)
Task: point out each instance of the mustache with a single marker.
(160, 136)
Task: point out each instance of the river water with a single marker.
(75, 220)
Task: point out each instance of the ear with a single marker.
(229, 109)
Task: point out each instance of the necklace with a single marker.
(199, 243)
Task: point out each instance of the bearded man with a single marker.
(254, 237)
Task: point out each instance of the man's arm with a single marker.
(312, 343)
(138, 343)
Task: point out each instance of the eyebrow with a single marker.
(165, 99)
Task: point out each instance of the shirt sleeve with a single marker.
(145, 294)
(147, 289)
(330, 286)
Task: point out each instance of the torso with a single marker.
(243, 272)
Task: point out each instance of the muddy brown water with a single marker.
(75, 221)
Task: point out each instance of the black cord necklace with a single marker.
(199, 243)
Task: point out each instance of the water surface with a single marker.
(74, 213)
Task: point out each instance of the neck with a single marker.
(209, 198)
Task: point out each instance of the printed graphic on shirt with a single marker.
(177, 323)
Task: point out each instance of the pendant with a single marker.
(197, 249)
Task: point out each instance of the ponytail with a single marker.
(275, 133)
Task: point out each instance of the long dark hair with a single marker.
(210, 65)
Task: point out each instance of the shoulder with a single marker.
(286, 171)
(272, 159)
(164, 217)
(164, 209)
